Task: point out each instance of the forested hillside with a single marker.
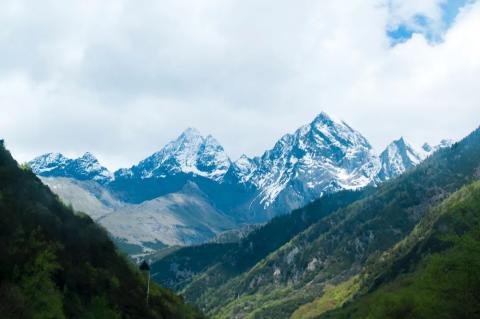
(177, 269)
(336, 249)
(433, 273)
(58, 264)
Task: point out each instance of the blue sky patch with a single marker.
(404, 31)
(401, 34)
(450, 10)
(424, 25)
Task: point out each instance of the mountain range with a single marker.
(190, 190)
(406, 248)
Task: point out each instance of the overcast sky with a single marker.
(122, 78)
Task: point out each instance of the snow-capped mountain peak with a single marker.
(398, 157)
(322, 156)
(85, 167)
(428, 150)
(89, 165)
(325, 118)
(88, 157)
(189, 153)
(187, 141)
(333, 132)
(191, 132)
(47, 162)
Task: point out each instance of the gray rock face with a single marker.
(85, 196)
(181, 218)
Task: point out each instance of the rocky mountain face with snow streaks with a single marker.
(85, 167)
(321, 157)
(191, 190)
(190, 153)
(397, 158)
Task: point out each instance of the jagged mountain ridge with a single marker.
(398, 157)
(189, 153)
(86, 167)
(322, 157)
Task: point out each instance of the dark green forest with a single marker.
(55, 263)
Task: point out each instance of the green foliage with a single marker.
(100, 308)
(425, 279)
(332, 297)
(56, 264)
(25, 166)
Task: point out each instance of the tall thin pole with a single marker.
(148, 286)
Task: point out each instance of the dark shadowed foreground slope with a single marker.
(56, 264)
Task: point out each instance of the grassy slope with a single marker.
(57, 264)
(333, 297)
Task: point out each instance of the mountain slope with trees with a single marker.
(230, 259)
(58, 264)
(432, 273)
(337, 247)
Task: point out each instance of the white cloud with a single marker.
(122, 78)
